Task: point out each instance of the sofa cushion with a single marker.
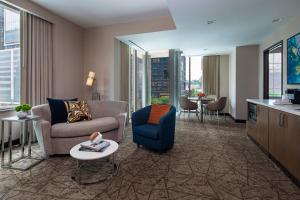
(77, 111)
(157, 111)
(58, 110)
(147, 130)
(84, 128)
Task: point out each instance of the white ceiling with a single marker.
(93, 13)
(238, 22)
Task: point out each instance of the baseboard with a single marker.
(243, 121)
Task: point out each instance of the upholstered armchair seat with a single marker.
(83, 128)
(148, 131)
(158, 137)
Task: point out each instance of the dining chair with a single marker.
(217, 106)
(187, 105)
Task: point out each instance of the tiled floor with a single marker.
(207, 162)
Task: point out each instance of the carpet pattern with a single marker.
(207, 162)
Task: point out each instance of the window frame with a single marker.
(266, 65)
(8, 106)
(4, 25)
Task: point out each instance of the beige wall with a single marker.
(286, 30)
(232, 83)
(100, 47)
(224, 78)
(243, 81)
(246, 78)
(67, 52)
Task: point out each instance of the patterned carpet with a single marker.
(207, 162)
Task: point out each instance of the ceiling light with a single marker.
(211, 21)
(276, 20)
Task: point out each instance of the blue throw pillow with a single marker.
(58, 110)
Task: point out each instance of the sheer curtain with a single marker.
(37, 59)
(211, 75)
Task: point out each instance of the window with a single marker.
(273, 72)
(11, 27)
(137, 80)
(9, 56)
(159, 80)
(193, 78)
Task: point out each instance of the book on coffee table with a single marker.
(89, 146)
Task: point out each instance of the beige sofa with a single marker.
(108, 117)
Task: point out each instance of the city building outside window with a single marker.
(9, 56)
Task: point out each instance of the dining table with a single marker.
(202, 101)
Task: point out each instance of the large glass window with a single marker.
(273, 72)
(159, 80)
(9, 56)
(137, 80)
(193, 78)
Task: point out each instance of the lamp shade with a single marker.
(89, 81)
(92, 74)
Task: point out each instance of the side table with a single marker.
(23, 134)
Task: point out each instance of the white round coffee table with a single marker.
(84, 156)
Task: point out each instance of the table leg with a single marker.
(10, 143)
(2, 143)
(29, 139)
(201, 112)
(22, 139)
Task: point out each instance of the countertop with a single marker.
(290, 108)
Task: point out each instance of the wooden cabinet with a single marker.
(278, 133)
(284, 140)
(278, 124)
(292, 140)
(263, 126)
(258, 129)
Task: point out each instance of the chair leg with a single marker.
(138, 146)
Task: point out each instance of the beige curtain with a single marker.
(211, 75)
(37, 59)
(124, 83)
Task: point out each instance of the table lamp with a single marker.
(90, 82)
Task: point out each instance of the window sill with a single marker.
(7, 108)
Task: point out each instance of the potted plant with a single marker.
(23, 110)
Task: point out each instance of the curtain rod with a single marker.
(136, 45)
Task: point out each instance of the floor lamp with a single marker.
(91, 82)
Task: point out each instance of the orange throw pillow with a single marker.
(157, 111)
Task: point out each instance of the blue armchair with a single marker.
(157, 137)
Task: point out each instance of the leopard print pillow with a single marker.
(77, 111)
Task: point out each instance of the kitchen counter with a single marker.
(290, 108)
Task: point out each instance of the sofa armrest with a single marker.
(43, 134)
(167, 124)
(140, 116)
(122, 119)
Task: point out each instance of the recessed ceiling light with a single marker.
(211, 21)
(276, 20)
